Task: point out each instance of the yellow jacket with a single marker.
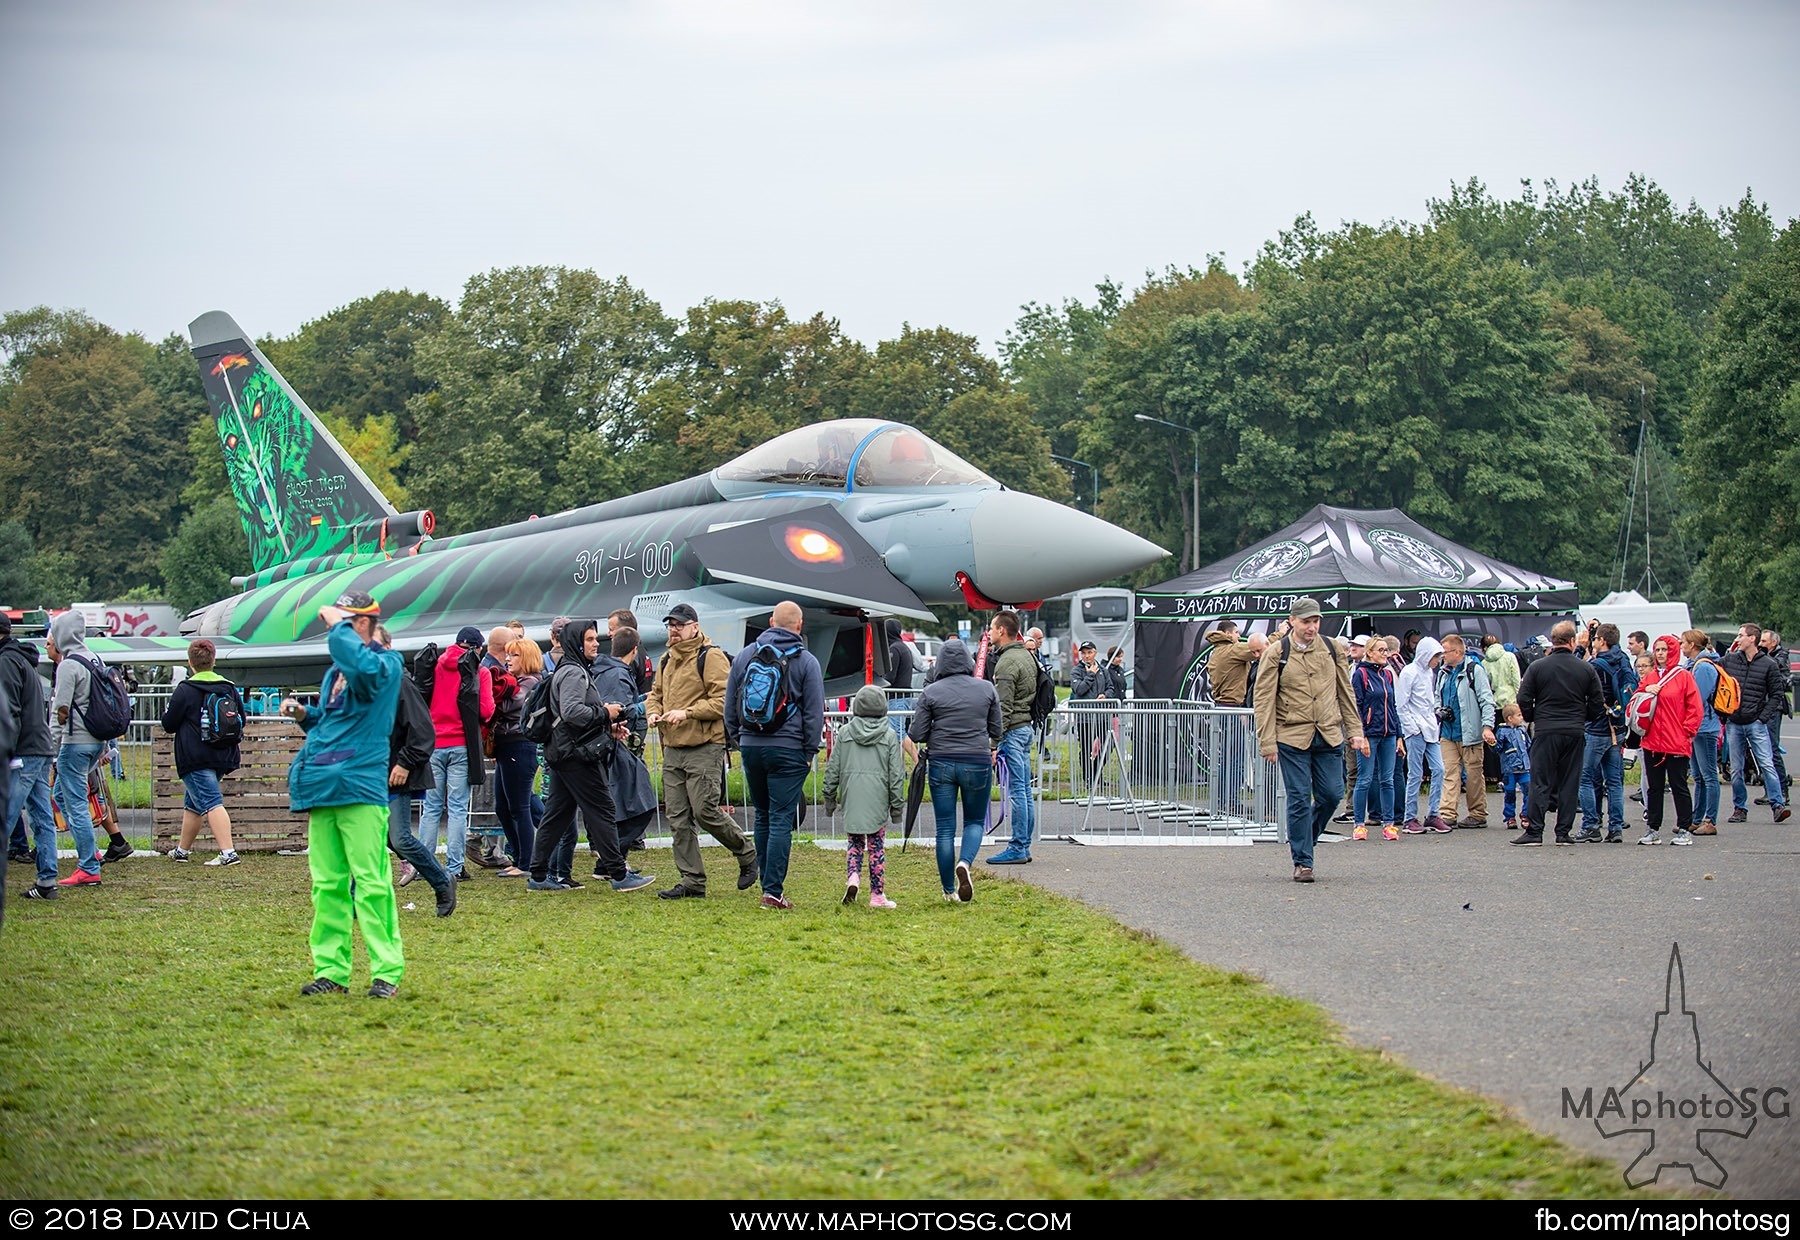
(680, 685)
(1311, 694)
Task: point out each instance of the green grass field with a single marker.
(595, 1045)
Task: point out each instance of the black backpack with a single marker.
(1043, 698)
(221, 716)
(537, 717)
(107, 714)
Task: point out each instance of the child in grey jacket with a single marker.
(867, 777)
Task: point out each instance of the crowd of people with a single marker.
(1560, 731)
(1412, 716)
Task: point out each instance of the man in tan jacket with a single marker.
(687, 704)
(1304, 712)
(1229, 663)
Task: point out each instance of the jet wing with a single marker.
(812, 555)
(236, 654)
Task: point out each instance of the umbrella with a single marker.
(994, 821)
(915, 793)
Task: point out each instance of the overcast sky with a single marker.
(884, 163)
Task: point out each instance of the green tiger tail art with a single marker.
(299, 494)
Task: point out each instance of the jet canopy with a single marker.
(849, 455)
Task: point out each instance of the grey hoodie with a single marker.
(866, 775)
(958, 716)
(74, 683)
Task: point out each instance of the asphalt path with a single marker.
(1513, 972)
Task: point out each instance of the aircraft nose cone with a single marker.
(1029, 548)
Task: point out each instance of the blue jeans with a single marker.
(401, 839)
(31, 795)
(515, 804)
(971, 782)
(1314, 780)
(73, 762)
(775, 778)
(1422, 755)
(1015, 746)
(1514, 788)
(1375, 782)
(896, 720)
(1602, 765)
(450, 780)
(1738, 736)
(1705, 769)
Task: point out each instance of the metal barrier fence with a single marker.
(1160, 772)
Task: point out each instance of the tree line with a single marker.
(1491, 370)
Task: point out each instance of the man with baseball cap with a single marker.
(687, 705)
(339, 779)
(1304, 711)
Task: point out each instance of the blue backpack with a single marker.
(764, 699)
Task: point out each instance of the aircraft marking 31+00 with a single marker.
(852, 519)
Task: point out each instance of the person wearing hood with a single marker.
(958, 722)
(34, 752)
(1415, 697)
(867, 778)
(1558, 696)
(581, 733)
(687, 707)
(1502, 672)
(627, 778)
(778, 750)
(1697, 653)
(902, 670)
(77, 749)
(1668, 744)
(339, 779)
(461, 693)
(9, 740)
(1603, 757)
(1467, 726)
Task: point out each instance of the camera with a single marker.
(1445, 714)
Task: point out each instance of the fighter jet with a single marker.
(853, 519)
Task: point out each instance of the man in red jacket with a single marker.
(1669, 742)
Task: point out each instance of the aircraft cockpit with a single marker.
(849, 455)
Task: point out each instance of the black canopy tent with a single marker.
(1369, 568)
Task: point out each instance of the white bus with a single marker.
(1102, 615)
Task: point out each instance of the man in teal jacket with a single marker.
(339, 778)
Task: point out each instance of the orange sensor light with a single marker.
(813, 547)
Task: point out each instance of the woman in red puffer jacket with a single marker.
(1669, 742)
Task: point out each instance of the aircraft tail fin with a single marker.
(299, 494)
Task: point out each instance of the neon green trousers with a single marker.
(348, 842)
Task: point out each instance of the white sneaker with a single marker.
(181, 854)
(226, 858)
(1682, 837)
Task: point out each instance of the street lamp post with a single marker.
(1071, 460)
(1144, 417)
